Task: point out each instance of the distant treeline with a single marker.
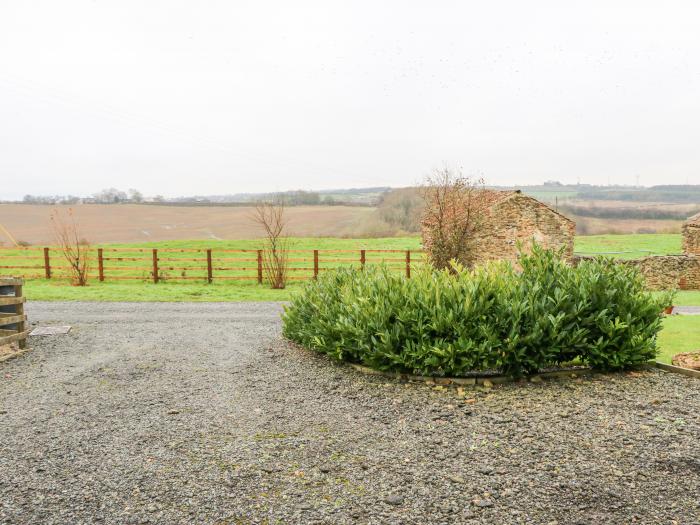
(359, 197)
(676, 193)
(624, 213)
(302, 198)
(402, 209)
(288, 198)
(107, 196)
(210, 204)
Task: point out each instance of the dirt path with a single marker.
(199, 413)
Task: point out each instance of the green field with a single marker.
(629, 246)
(305, 243)
(551, 197)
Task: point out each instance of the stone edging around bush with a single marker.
(493, 380)
(679, 370)
(485, 381)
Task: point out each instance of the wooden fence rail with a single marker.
(205, 264)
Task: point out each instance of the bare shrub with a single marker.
(402, 209)
(73, 247)
(369, 226)
(270, 215)
(453, 217)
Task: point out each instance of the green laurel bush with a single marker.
(494, 317)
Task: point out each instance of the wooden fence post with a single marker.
(47, 264)
(209, 269)
(260, 267)
(100, 265)
(315, 264)
(155, 265)
(408, 264)
(362, 258)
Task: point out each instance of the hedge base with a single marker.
(484, 380)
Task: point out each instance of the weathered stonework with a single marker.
(670, 272)
(664, 272)
(691, 235)
(514, 219)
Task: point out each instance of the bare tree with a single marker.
(135, 195)
(110, 196)
(452, 218)
(270, 215)
(74, 248)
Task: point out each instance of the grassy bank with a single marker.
(54, 290)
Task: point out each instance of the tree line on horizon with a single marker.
(357, 197)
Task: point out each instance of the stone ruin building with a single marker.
(514, 218)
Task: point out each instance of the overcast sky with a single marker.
(203, 97)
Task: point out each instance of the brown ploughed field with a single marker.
(141, 223)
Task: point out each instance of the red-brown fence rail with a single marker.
(197, 264)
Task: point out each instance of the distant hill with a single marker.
(549, 192)
(356, 196)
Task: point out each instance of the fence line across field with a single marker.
(163, 264)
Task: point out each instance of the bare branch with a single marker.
(73, 248)
(271, 217)
(453, 216)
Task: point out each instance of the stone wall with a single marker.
(669, 272)
(520, 218)
(664, 272)
(691, 238)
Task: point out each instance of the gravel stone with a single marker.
(86, 435)
(394, 499)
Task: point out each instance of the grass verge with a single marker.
(681, 333)
(55, 290)
(61, 290)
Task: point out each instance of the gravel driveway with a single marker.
(200, 413)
